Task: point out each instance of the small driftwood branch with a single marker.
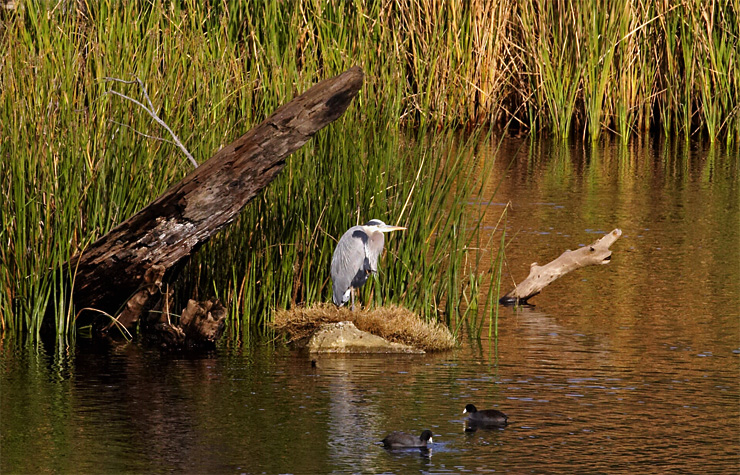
(542, 276)
(150, 111)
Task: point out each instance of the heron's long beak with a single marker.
(388, 228)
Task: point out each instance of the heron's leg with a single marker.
(352, 297)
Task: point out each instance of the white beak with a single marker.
(388, 228)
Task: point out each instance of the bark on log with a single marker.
(169, 230)
(541, 276)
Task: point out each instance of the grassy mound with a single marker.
(396, 324)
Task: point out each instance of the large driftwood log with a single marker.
(165, 233)
(541, 276)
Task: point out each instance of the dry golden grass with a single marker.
(395, 324)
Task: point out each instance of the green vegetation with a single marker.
(75, 161)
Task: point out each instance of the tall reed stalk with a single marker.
(599, 26)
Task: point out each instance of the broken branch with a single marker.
(542, 276)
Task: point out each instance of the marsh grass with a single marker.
(76, 161)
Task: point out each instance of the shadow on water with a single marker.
(632, 366)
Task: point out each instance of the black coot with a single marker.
(396, 440)
(486, 417)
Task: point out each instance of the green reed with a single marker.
(634, 70)
(551, 54)
(717, 59)
(599, 25)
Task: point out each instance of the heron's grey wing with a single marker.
(347, 263)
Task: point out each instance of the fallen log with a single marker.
(540, 277)
(164, 234)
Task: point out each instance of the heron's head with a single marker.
(382, 227)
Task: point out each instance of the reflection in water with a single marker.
(351, 416)
(629, 367)
(476, 426)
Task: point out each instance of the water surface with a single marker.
(629, 367)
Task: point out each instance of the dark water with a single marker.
(630, 367)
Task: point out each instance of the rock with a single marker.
(344, 337)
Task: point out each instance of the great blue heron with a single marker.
(356, 257)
